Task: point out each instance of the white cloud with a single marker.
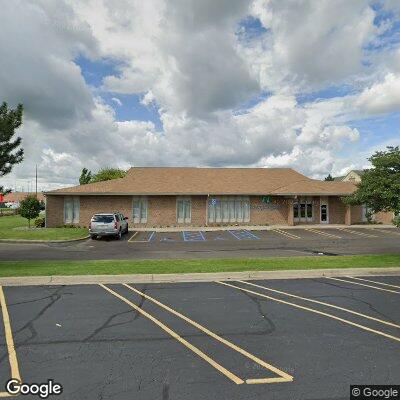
(185, 60)
(310, 44)
(382, 97)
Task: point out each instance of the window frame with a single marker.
(74, 202)
(184, 200)
(143, 215)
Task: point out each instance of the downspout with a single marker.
(207, 209)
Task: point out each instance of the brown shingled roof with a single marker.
(18, 196)
(191, 181)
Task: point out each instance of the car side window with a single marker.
(117, 217)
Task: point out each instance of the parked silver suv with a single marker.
(105, 224)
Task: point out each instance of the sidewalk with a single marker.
(255, 227)
(194, 277)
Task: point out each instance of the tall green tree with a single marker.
(379, 188)
(10, 153)
(329, 178)
(106, 174)
(29, 208)
(85, 177)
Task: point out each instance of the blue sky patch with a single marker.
(132, 109)
(250, 28)
(326, 93)
(95, 71)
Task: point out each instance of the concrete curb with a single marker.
(42, 241)
(194, 277)
(258, 227)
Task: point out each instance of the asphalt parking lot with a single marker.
(276, 339)
(216, 244)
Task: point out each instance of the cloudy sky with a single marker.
(308, 84)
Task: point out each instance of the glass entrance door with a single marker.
(303, 210)
(324, 213)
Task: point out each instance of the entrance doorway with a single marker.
(324, 210)
(303, 210)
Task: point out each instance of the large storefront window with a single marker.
(71, 209)
(229, 209)
(139, 208)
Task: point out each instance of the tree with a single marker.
(30, 208)
(379, 188)
(329, 178)
(10, 120)
(106, 174)
(85, 177)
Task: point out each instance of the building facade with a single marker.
(167, 197)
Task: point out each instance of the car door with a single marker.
(123, 222)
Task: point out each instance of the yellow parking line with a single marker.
(356, 232)
(368, 280)
(12, 354)
(164, 327)
(389, 232)
(284, 377)
(313, 310)
(322, 233)
(130, 239)
(362, 284)
(323, 303)
(287, 234)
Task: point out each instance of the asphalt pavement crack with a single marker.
(107, 324)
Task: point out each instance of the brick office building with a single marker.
(162, 197)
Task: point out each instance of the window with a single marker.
(105, 219)
(71, 209)
(183, 210)
(139, 208)
(296, 210)
(229, 209)
(303, 209)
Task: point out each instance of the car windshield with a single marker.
(103, 218)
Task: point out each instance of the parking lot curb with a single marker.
(172, 229)
(42, 241)
(194, 277)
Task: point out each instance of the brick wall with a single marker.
(384, 217)
(337, 210)
(162, 210)
(54, 211)
(356, 214)
(263, 214)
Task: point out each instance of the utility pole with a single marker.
(36, 181)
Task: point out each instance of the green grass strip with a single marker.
(115, 267)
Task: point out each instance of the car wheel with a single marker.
(119, 235)
(93, 237)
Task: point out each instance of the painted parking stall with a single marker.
(193, 236)
(228, 339)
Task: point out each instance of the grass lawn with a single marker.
(113, 267)
(9, 223)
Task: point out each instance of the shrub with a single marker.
(396, 220)
(29, 208)
(40, 222)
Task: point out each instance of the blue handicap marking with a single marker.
(193, 236)
(152, 234)
(219, 237)
(166, 239)
(243, 234)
